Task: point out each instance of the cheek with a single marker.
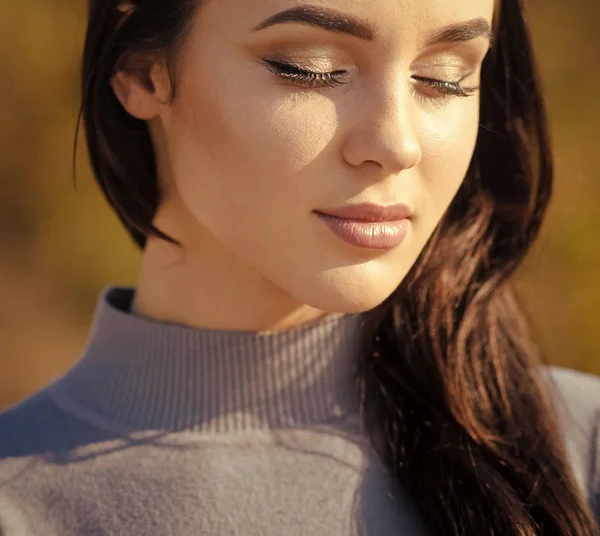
(448, 142)
(254, 143)
(243, 160)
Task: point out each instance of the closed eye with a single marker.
(305, 77)
(447, 88)
(318, 79)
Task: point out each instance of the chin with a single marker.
(339, 295)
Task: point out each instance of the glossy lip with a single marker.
(369, 212)
(365, 234)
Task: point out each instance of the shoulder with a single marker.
(39, 445)
(36, 426)
(575, 396)
(574, 382)
(37, 433)
(25, 438)
(22, 423)
(28, 426)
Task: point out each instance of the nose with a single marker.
(382, 132)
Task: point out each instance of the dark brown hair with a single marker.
(449, 380)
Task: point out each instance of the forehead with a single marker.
(391, 19)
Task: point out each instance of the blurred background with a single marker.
(60, 245)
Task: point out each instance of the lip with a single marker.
(370, 212)
(368, 225)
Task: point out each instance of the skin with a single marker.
(245, 156)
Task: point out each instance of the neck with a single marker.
(206, 286)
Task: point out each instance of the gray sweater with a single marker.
(161, 429)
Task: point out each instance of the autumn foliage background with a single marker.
(61, 245)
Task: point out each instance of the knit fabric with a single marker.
(162, 429)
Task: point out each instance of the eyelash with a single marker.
(446, 88)
(305, 77)
(313, 79)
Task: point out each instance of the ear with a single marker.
(142, 91)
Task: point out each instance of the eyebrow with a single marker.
(327, 19)
(462, 31)
(335, 21)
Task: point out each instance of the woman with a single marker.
(331, 199)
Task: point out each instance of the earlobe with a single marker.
(137, 99)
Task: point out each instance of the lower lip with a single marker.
(373, 235)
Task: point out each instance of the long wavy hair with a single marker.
(449, 379)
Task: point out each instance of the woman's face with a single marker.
(252, 146)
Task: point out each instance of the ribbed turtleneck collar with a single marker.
(139, 373)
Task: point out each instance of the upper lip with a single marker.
(370, 212)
